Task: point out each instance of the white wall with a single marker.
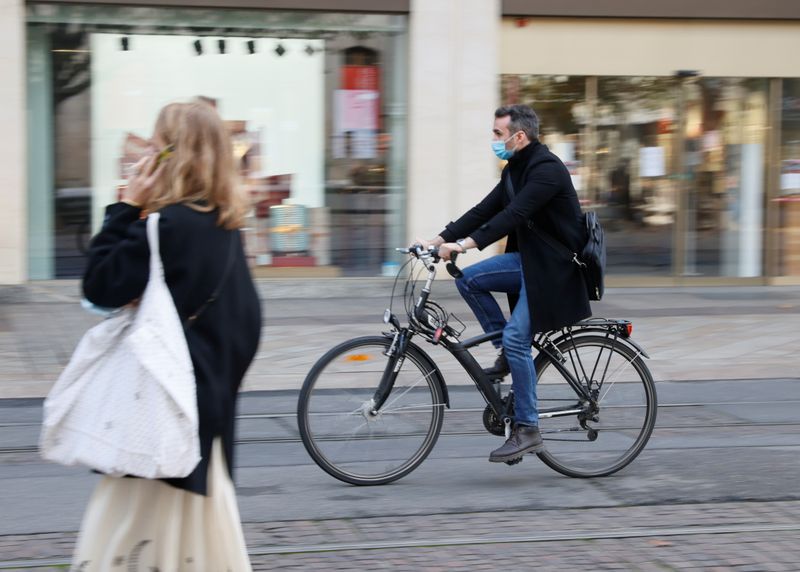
(586, 46)
(283, 96)
(453, 88)
(13, 214)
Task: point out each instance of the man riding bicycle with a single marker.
(533, 205)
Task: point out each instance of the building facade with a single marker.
(359, 125)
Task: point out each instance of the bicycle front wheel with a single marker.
(335, 417)
(595, 442)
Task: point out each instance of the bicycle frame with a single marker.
(485, 385)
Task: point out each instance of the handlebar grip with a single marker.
(451, 267)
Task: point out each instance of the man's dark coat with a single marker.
(545, 200)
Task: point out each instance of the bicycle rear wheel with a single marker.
(626, 407)
(341, 434)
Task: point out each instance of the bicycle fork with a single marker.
(396, 353)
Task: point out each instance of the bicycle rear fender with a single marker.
(429, 365)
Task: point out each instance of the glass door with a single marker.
(635, 123)
(723, 177)
(788, 199)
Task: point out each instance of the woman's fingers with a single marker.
(146, 174)
(156, 173)
(142, 160)
(150, 165)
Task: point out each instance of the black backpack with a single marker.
(592, 258)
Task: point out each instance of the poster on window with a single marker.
(651, 162)
(790, 175)
(355, 125)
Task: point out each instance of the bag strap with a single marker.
(157, 266)
(228, 267)
(153, 243)
(555, 244)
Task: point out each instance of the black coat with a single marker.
(546, 200)
(224, 338)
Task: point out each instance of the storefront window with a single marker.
(560, 103)
(789, 195)
(635, 194)
(684, 203)
(314, 102)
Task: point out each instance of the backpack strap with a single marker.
(228, 267)
(555, 244)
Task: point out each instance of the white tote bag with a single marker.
(126, 403)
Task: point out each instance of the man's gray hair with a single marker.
(523, 118)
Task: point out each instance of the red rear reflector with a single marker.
(629, 328)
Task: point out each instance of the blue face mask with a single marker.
(499, 148)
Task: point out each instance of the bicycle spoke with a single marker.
(425, 377)
(615, 374)
(422, 407)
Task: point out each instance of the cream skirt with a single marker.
(143, 525)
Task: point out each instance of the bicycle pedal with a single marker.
(514, 461)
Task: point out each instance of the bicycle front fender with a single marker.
(430, 365)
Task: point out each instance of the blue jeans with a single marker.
(503, 273)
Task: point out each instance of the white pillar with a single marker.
(453, 92)
(13, 213)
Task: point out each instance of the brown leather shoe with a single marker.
(523, 439)
(500, 367)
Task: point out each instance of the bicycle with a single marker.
(371, 409)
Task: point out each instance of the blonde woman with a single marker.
(188, 524)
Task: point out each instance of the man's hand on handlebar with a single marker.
(447, 249)
(427, 244)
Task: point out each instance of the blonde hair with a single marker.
(201, 171)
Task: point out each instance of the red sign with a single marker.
(360, 77)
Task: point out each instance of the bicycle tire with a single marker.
(626, 421)
(377, 456)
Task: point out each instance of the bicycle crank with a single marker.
(495, 424)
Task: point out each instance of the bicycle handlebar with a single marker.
(451, 267)
(432, 252)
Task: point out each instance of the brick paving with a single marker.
(718, 553)
(658, 538)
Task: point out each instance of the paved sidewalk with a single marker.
(690, 333)
(720, 537)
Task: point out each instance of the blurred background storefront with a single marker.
(314, 101)
(681, 131)
(359, 125)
